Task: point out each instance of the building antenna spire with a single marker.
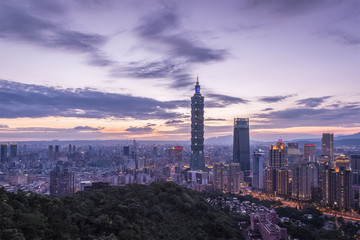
(197, 78)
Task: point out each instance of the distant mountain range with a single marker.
(353, 139)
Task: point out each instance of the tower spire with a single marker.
(197, 85)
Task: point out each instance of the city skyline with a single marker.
(119, 70)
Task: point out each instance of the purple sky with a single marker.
(92, 69)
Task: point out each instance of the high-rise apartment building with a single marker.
(327, 145)
(241, 147)
(197, 161)
(258, 169)
(338, 184)
(277, 155)
(293, 154)
(304, 180)
(62, 182)
(228, 177)
(355, 162)
(310, 152)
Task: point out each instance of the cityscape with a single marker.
(323, 176)
(107, 131)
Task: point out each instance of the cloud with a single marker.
(267, 109)
(4, 126)
(26, 100)
(221, 101)
(344, 37)
(173, 122)
(34, 25)
(215, 119)
(87, 128)
(312, 102)
(162, 29)
(145, 129)
(297, 117)
(274, 99)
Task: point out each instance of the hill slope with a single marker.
(158, 211)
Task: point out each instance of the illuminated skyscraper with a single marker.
(338, 184)
(277, 155)
(242, 144)
(327, 145)
(197, 161)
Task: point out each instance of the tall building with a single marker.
(127, 151)
(258, 169)
(338, 184)
(327, 145)
(355, 162)
(56, 155)
(293, 154)
(304, 180)
(310, 152)
(228, 177)
(277, 155)
(62, 182)
(13, 150)
(241, 151)
(197, 161)
(3, 154)
(51, 153)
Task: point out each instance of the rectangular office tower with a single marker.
(327, 145)
(241, 148)
(258, 169)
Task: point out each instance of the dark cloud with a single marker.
(4, 126)
(173, 122)
(274, 99)
(221, 101)
(26, 100)
(346, 114)
(344, 37)
(87, 128)
(312, 102)
(145, 129)
(180, 51)
(33, 25)
(215, 119)
(267, 109)
(288, 7)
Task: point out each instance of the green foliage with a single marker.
(159, 211)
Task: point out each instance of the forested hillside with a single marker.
(161, 210)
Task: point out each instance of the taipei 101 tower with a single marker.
(197, 130)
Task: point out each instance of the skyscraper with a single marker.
(338, 184)
(197, 161)
(277, 155)
(241, 151)
(310, 152)
(304, 180)
(3, 155)
(13, 150)
(258, 169)
(327, 145)
(51, 153)
(293, 154)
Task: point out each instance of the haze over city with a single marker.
(126, 69)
